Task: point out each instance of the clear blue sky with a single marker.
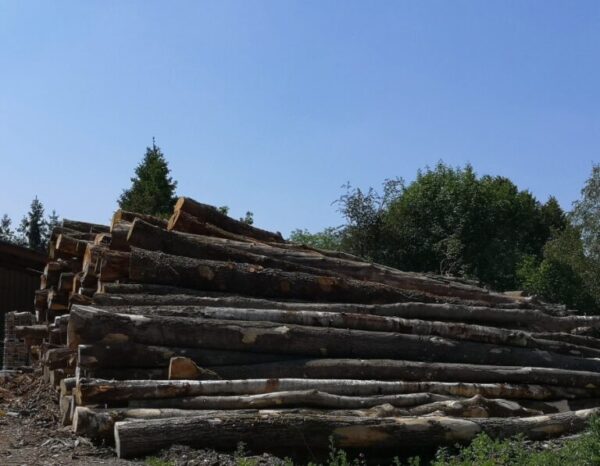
(272, 105)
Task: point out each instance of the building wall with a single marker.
(17, 292)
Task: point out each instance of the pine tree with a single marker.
(153, 190)
(6, 232)
(33, 228)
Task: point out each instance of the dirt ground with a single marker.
(30, 435)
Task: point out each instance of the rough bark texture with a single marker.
(296, 431)
(210, 214)
(87, 325)
(251, 280)
(90, 391)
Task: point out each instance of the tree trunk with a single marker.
(251, 280)
(85, 227)
(129, 217)
(89, 391)
(528, 319)
(145, 236)
(206, 247)
(294, 431)
(378, 369)
(119, 232)
(184, 222)
(457, 331)
(210, 214)
(290, 399)
(70, 246)
(87, 325)
(139, 355)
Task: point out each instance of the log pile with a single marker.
(158, 331)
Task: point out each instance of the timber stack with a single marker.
(206, 331)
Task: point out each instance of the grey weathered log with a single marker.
(85, 227)
(387, 369)
(283, 431)
(529, 319)
(87, 325)
(90, 391)
(291, 399)
(125, 355)
(252, 280)
(454, 330)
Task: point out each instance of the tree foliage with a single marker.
(34, 230)
(152, 190)
(328, 239)
(450, 221)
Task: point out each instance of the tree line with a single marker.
(450, 221)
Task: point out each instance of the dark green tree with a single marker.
(329, 239)
(33, 228)
(6, 232)
(450, 221)
(153, 190)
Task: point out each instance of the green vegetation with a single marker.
(452, 221)
(34, 230)
(152, 190)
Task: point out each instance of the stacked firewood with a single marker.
(207, 331)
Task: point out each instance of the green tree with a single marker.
(450, 221)
(6, 232)
(33, 228)
(586, 214)
(153, 190)
(329, 239)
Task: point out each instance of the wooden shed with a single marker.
(20, 270)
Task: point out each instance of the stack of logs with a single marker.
(206, 331)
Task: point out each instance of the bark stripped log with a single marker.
(292, 431)
(209, 214)
(530, 319)
(87, 325)
(387, 369)
(251, 280)
(184, 222)
(292, 399)
(89, 391)
(457, 331)
(127, 216)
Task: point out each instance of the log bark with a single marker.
(526, 319)
(377, 369)
(85, 227)
(37, 332)
(457, 331)
(127, 216)
(184, 222)
(119, 232)
(71, 246)
(147, 289)
(251, 280)
(140, 355)
(145, 236)
(291, 399)
(99, 423)
(113, 265)
(89, 391)
(294, 431)
(87, 325)
(210, 214)
(204, 247)
(135, 373)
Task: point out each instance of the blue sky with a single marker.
(271, 106)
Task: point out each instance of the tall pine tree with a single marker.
(153, 190)
(6, 232)
(33, 228)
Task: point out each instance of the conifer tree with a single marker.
(6, 232)
(33, 228)
(152, 190)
